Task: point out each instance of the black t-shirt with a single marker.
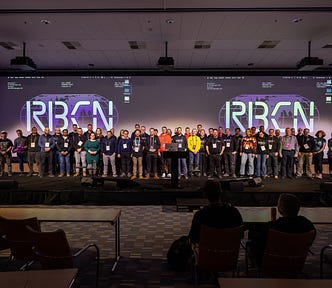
(217, 216)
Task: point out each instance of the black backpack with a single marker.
(179, 254)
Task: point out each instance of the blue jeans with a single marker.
(183, 162)
(244, 158)
(193, 161)
(64, 163)
(22, 158)
(261, 165)
(272, 164)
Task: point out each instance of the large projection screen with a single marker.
(155, 101)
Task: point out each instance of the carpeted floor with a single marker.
(146, 234)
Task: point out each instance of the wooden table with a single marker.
(61, 278)
(253, 215)
(273, 283)
(55, 214)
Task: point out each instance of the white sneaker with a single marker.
(169, 175)
(163, 176)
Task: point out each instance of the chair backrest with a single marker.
(52, 249)
(286, 253)
(219, 248)
(18, 238)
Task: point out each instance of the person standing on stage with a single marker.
(289, 150)
(187, 133)
(79, 153)
(124, 151)
(215, 148)
(108, 149)
(144, 136)
(229, 154)
(272, 161)
(306, 147)
(64, 146)
(88, 131)
(238, 139)
(92, 148)
(262, 153)
(329, 154)
(164, 139)
(72, 152)
(33, 150)
(21, 148)
(181, 141)
(55, 151)
(194, 145)
(203, 160)
(6, 146)
(47, 144)
(137, 155)
(152, 146)
(248, 151)
(318, 151)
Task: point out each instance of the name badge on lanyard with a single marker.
(228, 144)
(47, 144)
(108, 148)
(136, 149)
(33, 145)
(80, 143)
(124, 146)
(214, 145)
(65, 145)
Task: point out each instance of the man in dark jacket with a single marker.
(290, 222)
(218, 213)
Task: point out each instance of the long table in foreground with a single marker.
(60, 278)
(55, 214)
(273, 283)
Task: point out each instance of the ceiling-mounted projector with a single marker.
(23, 63)
(309, 63)
(166, 63)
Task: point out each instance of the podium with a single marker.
(175, 156)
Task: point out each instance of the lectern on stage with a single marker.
(175, 156)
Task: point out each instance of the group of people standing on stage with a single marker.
(141, 155)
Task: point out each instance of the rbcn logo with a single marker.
(63, 110)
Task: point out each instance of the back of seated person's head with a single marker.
(288, 205)
(212, 191)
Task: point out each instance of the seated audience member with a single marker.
(218, 213)
(290, 222)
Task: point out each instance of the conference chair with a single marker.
(17, 238)
(218, 250)
(285, 254)
(325, 259)
(53, 251)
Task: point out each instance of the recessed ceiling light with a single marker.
(45, 21)
(297, 20)
(170, 21)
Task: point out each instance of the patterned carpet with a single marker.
(146, 234)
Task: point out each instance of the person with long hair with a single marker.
(319, 146)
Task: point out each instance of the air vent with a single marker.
(329, 45)
(72, 45)
(268, 44)
(137, 44)
(8, 45)
(202, 45)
